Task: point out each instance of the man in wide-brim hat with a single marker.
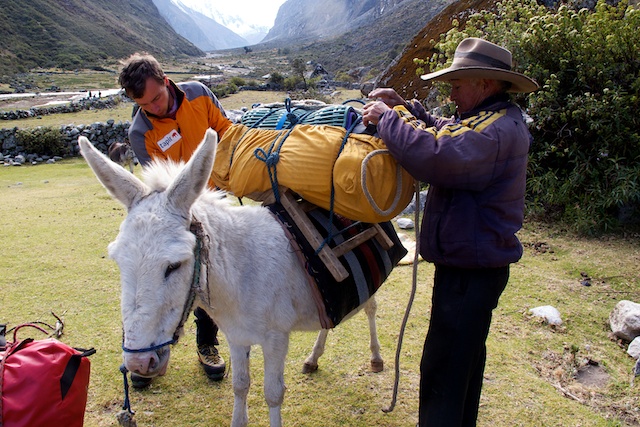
(480, 59)
(475, 164)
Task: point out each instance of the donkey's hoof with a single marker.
(308, 368)
(377, 366)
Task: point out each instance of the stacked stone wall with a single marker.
(102, 135)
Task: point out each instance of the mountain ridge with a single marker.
(364, 34)
(204, 32)
(370, 43)
(80, 34)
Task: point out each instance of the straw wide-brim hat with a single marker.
(479, 59)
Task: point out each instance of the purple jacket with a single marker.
(476, 166)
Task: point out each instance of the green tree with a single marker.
(299, 68)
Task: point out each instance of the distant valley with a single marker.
(359, 38)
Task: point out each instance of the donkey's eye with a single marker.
(171, 268)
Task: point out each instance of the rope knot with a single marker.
(270, 159)
(293, 119)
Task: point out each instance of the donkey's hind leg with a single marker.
(370, 307)
(377, 363)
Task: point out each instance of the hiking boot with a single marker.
(211, 361)
(139, 382)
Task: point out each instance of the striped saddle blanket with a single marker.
(368, 264)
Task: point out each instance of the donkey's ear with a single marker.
(194, 177)
(121, 184)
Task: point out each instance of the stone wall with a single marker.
(82, 104)
(102, 135)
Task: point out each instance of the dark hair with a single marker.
(135, 72)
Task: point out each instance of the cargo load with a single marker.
(331, 166)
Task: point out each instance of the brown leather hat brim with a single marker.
(519, 82)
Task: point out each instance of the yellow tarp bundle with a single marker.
(305, 159)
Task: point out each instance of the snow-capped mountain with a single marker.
(250, 19)
(202, 31)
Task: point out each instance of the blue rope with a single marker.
(330, 235)
(144, 350)
(361, 101)
(127, 402)
(271, 158)
(253, 126)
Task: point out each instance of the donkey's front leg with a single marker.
(275, 352)
(241, 380)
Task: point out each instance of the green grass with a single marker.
(74, 80)
(120, 113)
(57, 221)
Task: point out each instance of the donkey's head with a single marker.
(154, 249)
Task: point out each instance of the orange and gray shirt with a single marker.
(198, 109)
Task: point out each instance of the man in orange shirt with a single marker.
(170, 124)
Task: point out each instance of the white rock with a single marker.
(550, 314)
(634, 348)
(625, 320)
(405, 223)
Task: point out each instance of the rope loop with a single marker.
(365, 189)
(270, 159)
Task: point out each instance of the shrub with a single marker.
(294, 83)
(42, 140)
(238, 81)
(585, 162)
(276, 80)
(223, 90)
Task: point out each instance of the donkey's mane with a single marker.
(159, 174)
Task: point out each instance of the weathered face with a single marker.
(154, 251)
(468, 93)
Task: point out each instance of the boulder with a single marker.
(625, 320)
(550, 314)
(634, 348)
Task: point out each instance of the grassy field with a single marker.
(57, 220)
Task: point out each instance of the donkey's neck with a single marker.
(240, 241)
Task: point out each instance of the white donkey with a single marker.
(240, 268)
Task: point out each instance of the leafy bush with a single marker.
(294, 83)
(42, 140)
(238, 81)
(276, 80)
(585, 162)
(223, 90)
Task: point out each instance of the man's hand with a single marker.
(388, 96)
(383, 100)
(372, 111)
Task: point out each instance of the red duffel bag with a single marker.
(43, 383)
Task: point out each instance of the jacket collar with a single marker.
(492, 103)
